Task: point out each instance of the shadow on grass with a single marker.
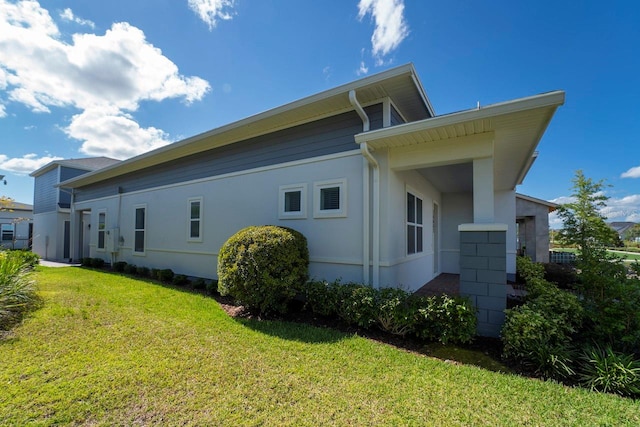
(292, 331)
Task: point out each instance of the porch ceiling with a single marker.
(513, 128)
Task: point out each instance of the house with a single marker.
(532, 227)
(385, 191)
(16, 225)
(622, 228)
(52, 207)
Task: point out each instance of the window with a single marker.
(102, 225)
(139, 230)
(6, 231)
(330, 199)
(292, 201)
(414, 224)
(195, 219)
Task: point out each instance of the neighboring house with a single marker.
(622, 228)
(532, 220)
(52, 205)
(16, 226)
(385, 191)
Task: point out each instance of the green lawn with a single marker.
(108, 350)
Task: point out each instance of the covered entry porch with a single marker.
(474, 159)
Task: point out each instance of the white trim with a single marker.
(395, 107)
(144, 242)
(483, 227)
(181, 251)
(329, 260)
(386, 112)
(290, 188)
(191, 200)
(318, 186)
(310, 160)
(406, 259)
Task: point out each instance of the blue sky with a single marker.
(86, 78)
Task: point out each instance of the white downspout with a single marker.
(373, 163)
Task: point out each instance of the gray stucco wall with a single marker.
(533, 229)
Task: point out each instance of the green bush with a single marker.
(143, 271)
(603, 369)
(321, 297)
(29, 258)
(563, 275)
(358, 306)
(212, 287)
(539, 334)
(120, 266)
(263, 267)
(131, 269)
(165, 275)
(180, 280)
(85, 262)
(97, 262)
(17, 290)
(445, 318)
(527, 270)
(395, 313)
(199, 284)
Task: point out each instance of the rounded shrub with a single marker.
(263, 267)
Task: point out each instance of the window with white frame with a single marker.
(329, 199)
(7, 232)
(140, 223)
(292, 201)
(414, 224)
(102, 225)
(194, 206)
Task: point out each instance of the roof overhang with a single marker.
(399, 84)
(509, 132)
(550, 205)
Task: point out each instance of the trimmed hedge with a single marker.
(263, 267)
(437, 318)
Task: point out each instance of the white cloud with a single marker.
(112, 133)
(210, 11)
(67, 15)
(3, 111)
(363, 69)
(26, 164)
(109, 74)
(625, 208)
(632, 173)
(390, 25)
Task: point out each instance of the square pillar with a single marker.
(483, 191)
(483, 273)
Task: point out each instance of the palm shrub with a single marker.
(263, 267)
(17, 290)
(605, 370)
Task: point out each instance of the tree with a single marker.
(584, 225)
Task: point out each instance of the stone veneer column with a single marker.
(483, 273)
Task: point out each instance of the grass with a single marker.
(109, 350)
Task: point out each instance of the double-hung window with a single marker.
(414, 224)
(330, 199)
(194, 207)
(140, 223)
(7, 232)
(102, 225)
(292, 201)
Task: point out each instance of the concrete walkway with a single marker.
(56, 264)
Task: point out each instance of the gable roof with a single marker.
(552, 206)
(400, 84)
(87, 163)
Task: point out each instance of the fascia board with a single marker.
(551, 99)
